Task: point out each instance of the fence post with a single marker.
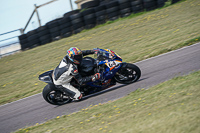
(71, 5)
(21, 31)
(37, 14)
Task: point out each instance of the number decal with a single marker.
(111, 64)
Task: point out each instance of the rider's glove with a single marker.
(96, 77)
(95, 51)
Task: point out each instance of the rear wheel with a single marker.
(128, 74)
(55, 97)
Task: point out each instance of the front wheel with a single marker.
(55, 97)
(128, 74)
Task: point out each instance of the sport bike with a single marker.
(106, 62)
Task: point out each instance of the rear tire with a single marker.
(55, 97)
(128, 74)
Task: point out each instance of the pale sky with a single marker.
(14, 14)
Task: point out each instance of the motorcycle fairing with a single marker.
(113, 63)
(46, 77)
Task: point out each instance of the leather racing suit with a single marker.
(65, 71)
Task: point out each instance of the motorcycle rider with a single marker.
(68, 69)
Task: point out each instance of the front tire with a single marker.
(54, 96)
(128, 74)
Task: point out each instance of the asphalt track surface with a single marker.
(34, 109)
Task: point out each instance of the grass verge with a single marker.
(172, 106)
(134, 39)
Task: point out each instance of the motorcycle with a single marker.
(106, 62)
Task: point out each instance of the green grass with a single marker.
(134, 38)
(169, 107)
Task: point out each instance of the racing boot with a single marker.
(78, 99)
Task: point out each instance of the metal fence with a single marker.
(11, 47)
(15, 46)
